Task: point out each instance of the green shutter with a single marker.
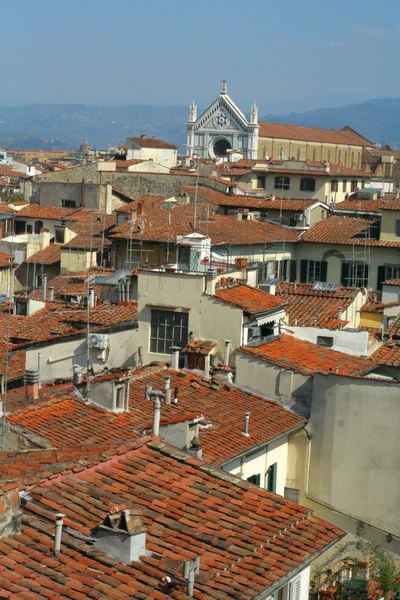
(271, 477)
(255, 479)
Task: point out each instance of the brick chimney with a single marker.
(31, 379)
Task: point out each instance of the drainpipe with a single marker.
(39, 366)
(57, 537)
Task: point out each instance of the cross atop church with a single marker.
(224, 89)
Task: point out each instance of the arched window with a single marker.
(38, 226)
(329, 156)
(282, 183)
(281, 154)
(352, 159)
(313, 155)
(339, 156)
(298, 154)
(345, 159)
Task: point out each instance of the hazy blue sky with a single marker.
(285, 55)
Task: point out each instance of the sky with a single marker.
(287, 56)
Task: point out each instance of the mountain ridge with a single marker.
(66, 125)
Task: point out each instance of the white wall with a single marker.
(258, 462)
(58, 358)
(350, 342)
(293, 390)
(390, 293)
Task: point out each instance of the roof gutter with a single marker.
(263, 444)
(285, 580)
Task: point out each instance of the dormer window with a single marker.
(120, 396)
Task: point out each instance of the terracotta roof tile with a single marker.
(38, 211)
(188, 509)
(362, 205)
(250, 300)
(392, 282)
(388, 354)
(49, 256)
(306, 307)
(338, 229)
(146, 142)
(309, 134)
(5, 259)
(308, 358)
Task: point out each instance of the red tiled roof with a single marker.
(361, 205)
(5, 259)
(338, 229)
(37, 211)
(5, 208)
(305, 357)
(188, 507)
(146, 142)
(147, 202)
(16, 362)
(306, 307)
(391, 203)
(340, 170)
(309, 134)
(84, 240)
(388, 354)
(162, 224)
(49, 256)
(372, 306)
(393, 330)
(392, 282)
(250, 300)
(262, 204)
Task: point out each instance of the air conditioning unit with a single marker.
(98, 340)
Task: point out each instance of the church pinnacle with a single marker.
(192, 112)
(254, 114)
(224, 89)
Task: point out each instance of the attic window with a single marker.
(120, 397)
(21, 308)
(326, 341)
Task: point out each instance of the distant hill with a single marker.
(377, 120)
(66, 125)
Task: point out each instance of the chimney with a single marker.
(51, 294)
(147, 392)
(246, 424)
(91, 298)
(31, 379)
(83, 189)
(211, 280)
(156, 397)
(139, 209)
(190, 569)
(122, 535)
(167, 389)
(340, 314)
(44, 288)
(226, 352)
(195, 448)
(58, 534)
(175, 358)
(75, 375)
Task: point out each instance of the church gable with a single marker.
(221, 116)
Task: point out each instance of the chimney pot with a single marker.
(147, 392)
(156, 397)
(167, 389)
(227, 352)
(31, 379)
(246, 424)
(175, 358)
(44, 288)
(51, 294)
(58, 534)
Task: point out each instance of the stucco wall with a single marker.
(209, 318)
(58, 358)
(347, 155)
(293, 390)
(49, 193)
(355, 451)
(76, 259)
(350, 342)
(388, 225)
(390, 293)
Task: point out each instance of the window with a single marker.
(334, 185)
(354, 185)
(38, 226)
(397, 230)
(168, 329)
(261, 182)
(355, 275)
(60, 234)
(392, 272)
(20, 227)
(307, 184)
(313, 155)
(344, 185)
(21, 308)
(68, 203)
(282, 183)
(292, 494)
(281, 154)
(345, 159)
(352, 159)
(294, 588)
(29, 228)
(271, 477)
(340, 156)
(312, 271)
(329, 155)
(298, 154)
(120, 397)
(255, 479)
(323, 340)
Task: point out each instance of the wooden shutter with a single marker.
(293, 270)
(294, 589)
(271, 477)
(345, 274)
(324, 270)
(303, 271)
(381, 277)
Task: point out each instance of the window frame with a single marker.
(255, 479)
(307, 188)
(259, 178)
(271, 478)
(334, 185)
(168, 322)
(397, 227)
(284, 182)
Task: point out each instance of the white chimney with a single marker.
(175, 358)
(51, 294)
(91, 299)
(156, 412)
(246, 424)
(44, 288)
(227, 352)
(58, 534)
(122, 535)
(340, 314)
(167, 389)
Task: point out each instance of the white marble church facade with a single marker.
(222, 128)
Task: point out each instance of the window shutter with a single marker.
(303, 271)
(294, 593)
(381, 277)
(344, 279)
(324, 270)
(271, 478)
(293, 270)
